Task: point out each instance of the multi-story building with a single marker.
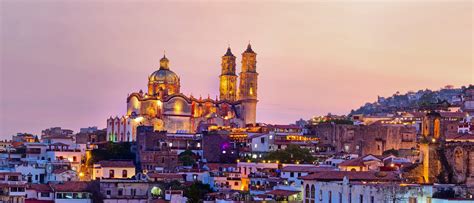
(373, 139)
(13, 187)
(333, 186)
(56, 131)
(39, 192)
(154, 151)
(125, 191)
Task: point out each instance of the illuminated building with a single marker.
(165, 108)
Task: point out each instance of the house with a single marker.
(72, 192)
(62, 175)
(63, 153)
(41, 192)
(365, 163)
(293, 172)
(12, 187)
(191, 175)
(113, 169)
(124, 190)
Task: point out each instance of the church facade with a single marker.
(165, 108)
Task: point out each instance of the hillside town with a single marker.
(171, 147)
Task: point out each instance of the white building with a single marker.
(72, 192)
(63, 154)
(113, 169)
(364, 187)
(42, 192)
(292, 173)
(192, 175)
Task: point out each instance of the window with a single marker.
(262, 140)
(299, 174)
(111, 173)
(74, 159)
(108, 192)
(361, 198)
(236, 183)
(124, 173)
(340, 197)
(307, 194)
(292, 174)
(412, 200)
(44, 194)
(320, 195)
(330, 196)
(120, 191)
(372, 199)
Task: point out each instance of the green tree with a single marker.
(390, 152)
(196, 192)
(291, 154)
(112, 151)
(188, 158)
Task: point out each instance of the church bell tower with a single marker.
(248, 86)
(228, 78)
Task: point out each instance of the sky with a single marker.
(72, 63)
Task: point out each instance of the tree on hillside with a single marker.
(188, 158)
(291, 154)
(197, 191)
(112, 151)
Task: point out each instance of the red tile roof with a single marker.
(282, 193)
(215, 166)
(70, 186)
(352, 176)
(453, 114)
(460, 137)
(38, 201)
(39, 187)
(165, 175)
(60, 170)
(308, 169)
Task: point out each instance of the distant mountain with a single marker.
(414, 100)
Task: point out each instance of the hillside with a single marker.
(414, 100)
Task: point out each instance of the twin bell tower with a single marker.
(246, 92)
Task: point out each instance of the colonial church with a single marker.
(166, 109)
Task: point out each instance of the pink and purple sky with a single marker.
(72, 63)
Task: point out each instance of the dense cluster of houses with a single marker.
(423, 156)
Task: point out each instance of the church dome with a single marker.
(164, 75)
(163, 80)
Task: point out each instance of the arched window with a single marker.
(313, 193)
(124, 173)
(111, 173)
(307, 194)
